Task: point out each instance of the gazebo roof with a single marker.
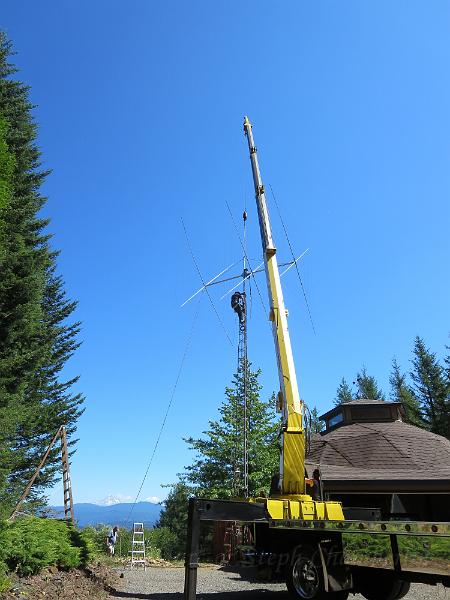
(381, 456)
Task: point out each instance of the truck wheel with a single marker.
(405, 585)
(304, 576)
(384, 588)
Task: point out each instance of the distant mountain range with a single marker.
(114, 514)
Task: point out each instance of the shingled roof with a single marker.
(383, 457)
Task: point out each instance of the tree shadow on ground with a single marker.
(238, 595)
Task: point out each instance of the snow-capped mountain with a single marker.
(121, 514)
(114, 499)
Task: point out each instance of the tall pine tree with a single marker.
(431, 388)
(316, 424)
(36, 337)
(367, 386)
(175, 515)
(343, 393)
(447, 364)
(220, 450)
(401, 392)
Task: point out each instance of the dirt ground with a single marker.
(53, 584)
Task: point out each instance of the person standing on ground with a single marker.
(112, 539)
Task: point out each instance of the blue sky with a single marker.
(140, 107)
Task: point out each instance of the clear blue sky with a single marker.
(140, 107)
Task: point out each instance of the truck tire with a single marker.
(404, 590)
(304, 575)
(384, 588)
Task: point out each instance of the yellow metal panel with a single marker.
(334, 511)
(275, 508)
(307, 510)
(295, 509)
(302, 507)
(320, 510)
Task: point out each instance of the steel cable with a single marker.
(293, 258)
(174, 389)
(204, 285)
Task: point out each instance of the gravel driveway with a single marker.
(220, 584)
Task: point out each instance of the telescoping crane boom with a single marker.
(292, 460)
(292, 463)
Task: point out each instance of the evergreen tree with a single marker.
(7, 417)
(316, 424)
(174, 515)
(35, 337)
(401, 392)
(343, 393)
(447, 365)
(219, 460)
(367, 386)
(431, 388)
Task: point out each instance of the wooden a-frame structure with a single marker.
(68, 499)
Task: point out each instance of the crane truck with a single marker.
(297, 535)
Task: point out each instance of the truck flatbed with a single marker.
(340, 574)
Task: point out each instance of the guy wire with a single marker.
(293, 258)
(172, 395)
(204, 284)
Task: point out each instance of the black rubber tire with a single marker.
(304, 575)
(404, 589)
(388, 587)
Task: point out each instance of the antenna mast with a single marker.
(239, 305)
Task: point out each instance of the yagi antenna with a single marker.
(243, 277)
(210, 282)
(293, 262)
(259, 270)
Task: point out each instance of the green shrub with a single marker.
(164, 540)
(30, 544)
(95, 538)
(5, 583)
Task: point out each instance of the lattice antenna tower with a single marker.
(239, 305)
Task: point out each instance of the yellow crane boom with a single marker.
(292, 464)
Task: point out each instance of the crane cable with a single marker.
(246, 257)
(172, 395)
(295, 262)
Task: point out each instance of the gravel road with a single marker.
(220, 584)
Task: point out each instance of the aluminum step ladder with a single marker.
(138, 546)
